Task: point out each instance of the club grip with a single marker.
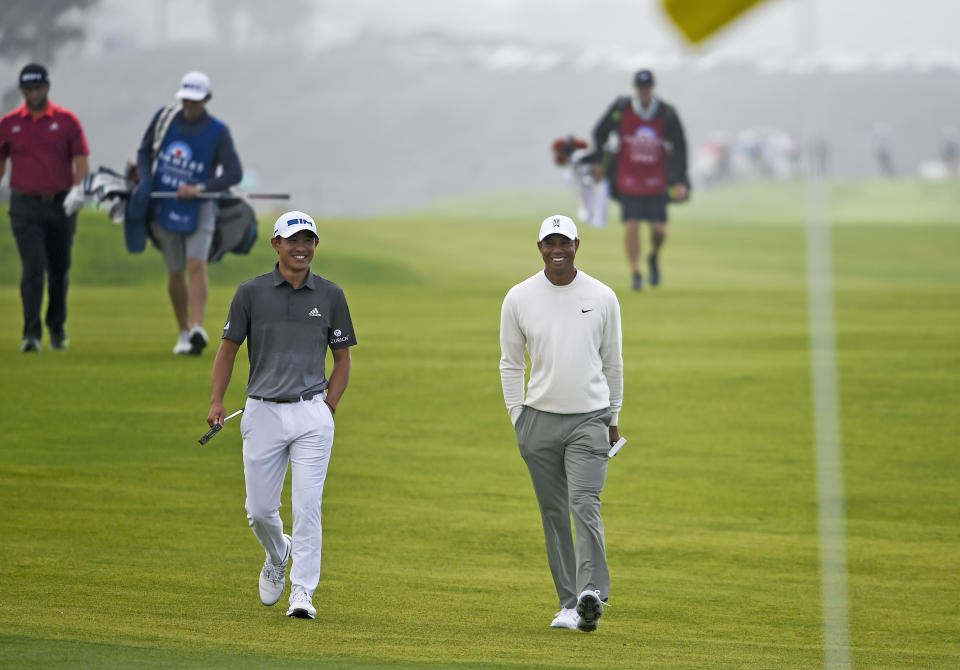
(214, 429)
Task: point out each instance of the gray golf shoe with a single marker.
(590, 608)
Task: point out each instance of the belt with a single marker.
(42, 197)
(304, 397)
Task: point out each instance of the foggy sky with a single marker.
(409, 95)
(870, 28)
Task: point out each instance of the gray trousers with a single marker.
(566, 455)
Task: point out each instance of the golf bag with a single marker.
(236, 229)
(571, 153)
(235, 232)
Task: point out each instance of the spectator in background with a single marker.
(48, 161)
(884, 151)
(950, 150)
(181, 152)
(572, 153)
(647, 168)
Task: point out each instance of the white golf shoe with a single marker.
(566, 618)
(273, 577)
(590, 609)
(301, 605)
(183, 345)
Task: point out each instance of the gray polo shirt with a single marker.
(288, 332)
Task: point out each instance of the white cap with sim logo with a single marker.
(292, 223)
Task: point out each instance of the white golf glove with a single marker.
(74, 201)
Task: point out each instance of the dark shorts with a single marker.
(644, 207)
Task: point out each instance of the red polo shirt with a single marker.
(41, 149)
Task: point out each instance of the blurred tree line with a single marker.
(33, 31)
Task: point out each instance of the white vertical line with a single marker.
(826, 420)
(823, 370)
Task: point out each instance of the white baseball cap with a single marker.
(292, 223)
(558, 223)
(194, 86)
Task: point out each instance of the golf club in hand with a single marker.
(216, 428)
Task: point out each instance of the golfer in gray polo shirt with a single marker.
(289, 317)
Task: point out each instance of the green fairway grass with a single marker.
(125, 544)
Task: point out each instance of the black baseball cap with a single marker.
(33, 74)
(643, 78)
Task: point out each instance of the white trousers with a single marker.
(275, 434)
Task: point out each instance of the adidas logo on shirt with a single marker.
(314, 312)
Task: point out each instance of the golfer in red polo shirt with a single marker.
(48, 159)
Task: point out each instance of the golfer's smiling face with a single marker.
(296, 251)
(558, 252)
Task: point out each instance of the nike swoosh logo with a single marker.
(584, 311)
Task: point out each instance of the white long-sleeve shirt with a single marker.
(574, 339)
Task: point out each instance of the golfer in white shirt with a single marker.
(569, 324)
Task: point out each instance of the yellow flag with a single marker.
(698, 19)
